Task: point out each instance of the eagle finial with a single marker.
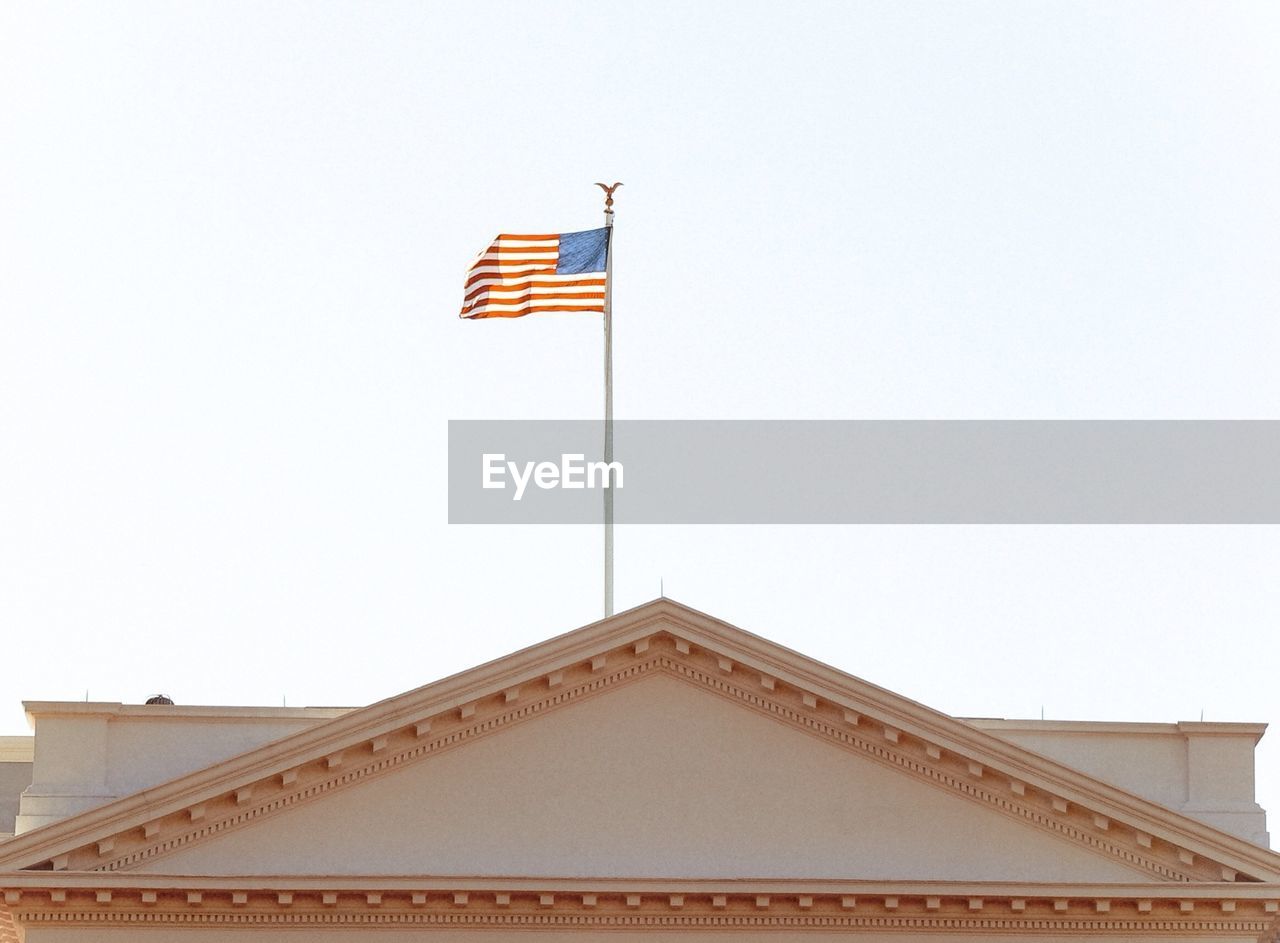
(608, 195)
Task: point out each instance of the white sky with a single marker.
(232, 245)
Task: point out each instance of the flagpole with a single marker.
(608, 398)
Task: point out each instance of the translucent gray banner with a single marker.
(868, 472)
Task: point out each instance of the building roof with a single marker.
(647, 715)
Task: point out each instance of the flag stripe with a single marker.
(523, 271)
(544, 286)
(512, 264)
(537, 278)
(525, 289)
(531, 309)
(519, 274)
(490, 258)
(507, 305)
(520, 301)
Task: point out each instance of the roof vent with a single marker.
(160, 699)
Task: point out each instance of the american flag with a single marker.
(519, 275)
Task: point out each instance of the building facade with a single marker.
(660, 772)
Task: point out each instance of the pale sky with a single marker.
(233, 238)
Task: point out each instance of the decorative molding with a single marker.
(616, 908)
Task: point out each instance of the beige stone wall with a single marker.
(16, 755)
(1204, 770)
(655, 777)
(87, 753)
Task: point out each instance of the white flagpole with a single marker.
(608, 398)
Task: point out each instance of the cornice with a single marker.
(790, 688)
(238, 714)
(582, 903)
(1093, 728)
(17, 749)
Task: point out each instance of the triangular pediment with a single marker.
(657, 743)
(653, 774)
